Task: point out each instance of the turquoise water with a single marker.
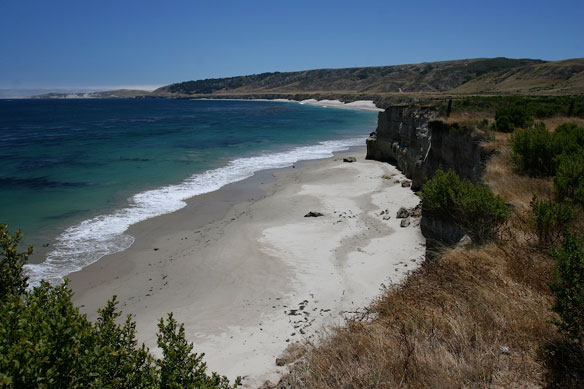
(77, 173)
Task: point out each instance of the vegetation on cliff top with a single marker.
(506, 314)
(474, 207)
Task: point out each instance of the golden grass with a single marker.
(466, 117)
(503, 180)
(447, 326)
(475, 317)
(552, 123)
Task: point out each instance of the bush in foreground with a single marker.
(550, 220)
(533, 151)
(473, 207)
(569, 179)
(568, 288)
(45, 342)
(536, 151)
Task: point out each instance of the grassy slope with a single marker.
(552, 78)
(448, 324)
(436, 79)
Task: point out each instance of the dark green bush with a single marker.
(179, 367)
(568, 138)
(45, 342)
(550, 220)
(473, 207)
(533, 150)
(537, 152)
(569, 179)
(540, 107)
(508, 118)
(568, 288)
(12, 278)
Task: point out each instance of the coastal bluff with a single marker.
(413, 138)
(419, 143)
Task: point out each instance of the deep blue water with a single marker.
(76, 173)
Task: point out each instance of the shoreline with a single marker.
(359, 105)
(248, 274)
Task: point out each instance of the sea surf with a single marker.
(78, 173)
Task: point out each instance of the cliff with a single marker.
(419, 144)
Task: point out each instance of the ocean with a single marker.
(77, 173)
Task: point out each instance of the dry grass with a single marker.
(467, 117)
(446, 326)
(475, 317)
(552, 123)
(503, 180)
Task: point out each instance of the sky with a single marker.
(101, 45)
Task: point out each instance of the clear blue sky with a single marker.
(103, 43)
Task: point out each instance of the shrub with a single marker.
(568, 288)
(550, 220)
(568, 138)
(45, 342)
(179, 368)
(536, 151)
(508, 118)
(473, 207)
(533, 150)
(569, 179)
(12, 278)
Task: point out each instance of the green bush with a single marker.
(569, 179)
(537, 152)
(473, 207)
(45, 342)
(568, 138)
(533, 150)
(178, 367)
(508, 118)
(540, 107)
(550, 220)
(12, 278)
(568, 288)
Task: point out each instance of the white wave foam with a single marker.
(85, 243)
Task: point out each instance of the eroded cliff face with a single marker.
(419, 144)
(403, 137)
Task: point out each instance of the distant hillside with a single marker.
(121, 93)
(550, 78)
(382, 84)
(434, 77)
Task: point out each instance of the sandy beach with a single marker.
(248, 274)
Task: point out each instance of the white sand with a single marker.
(362, 105)
(262, 276)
